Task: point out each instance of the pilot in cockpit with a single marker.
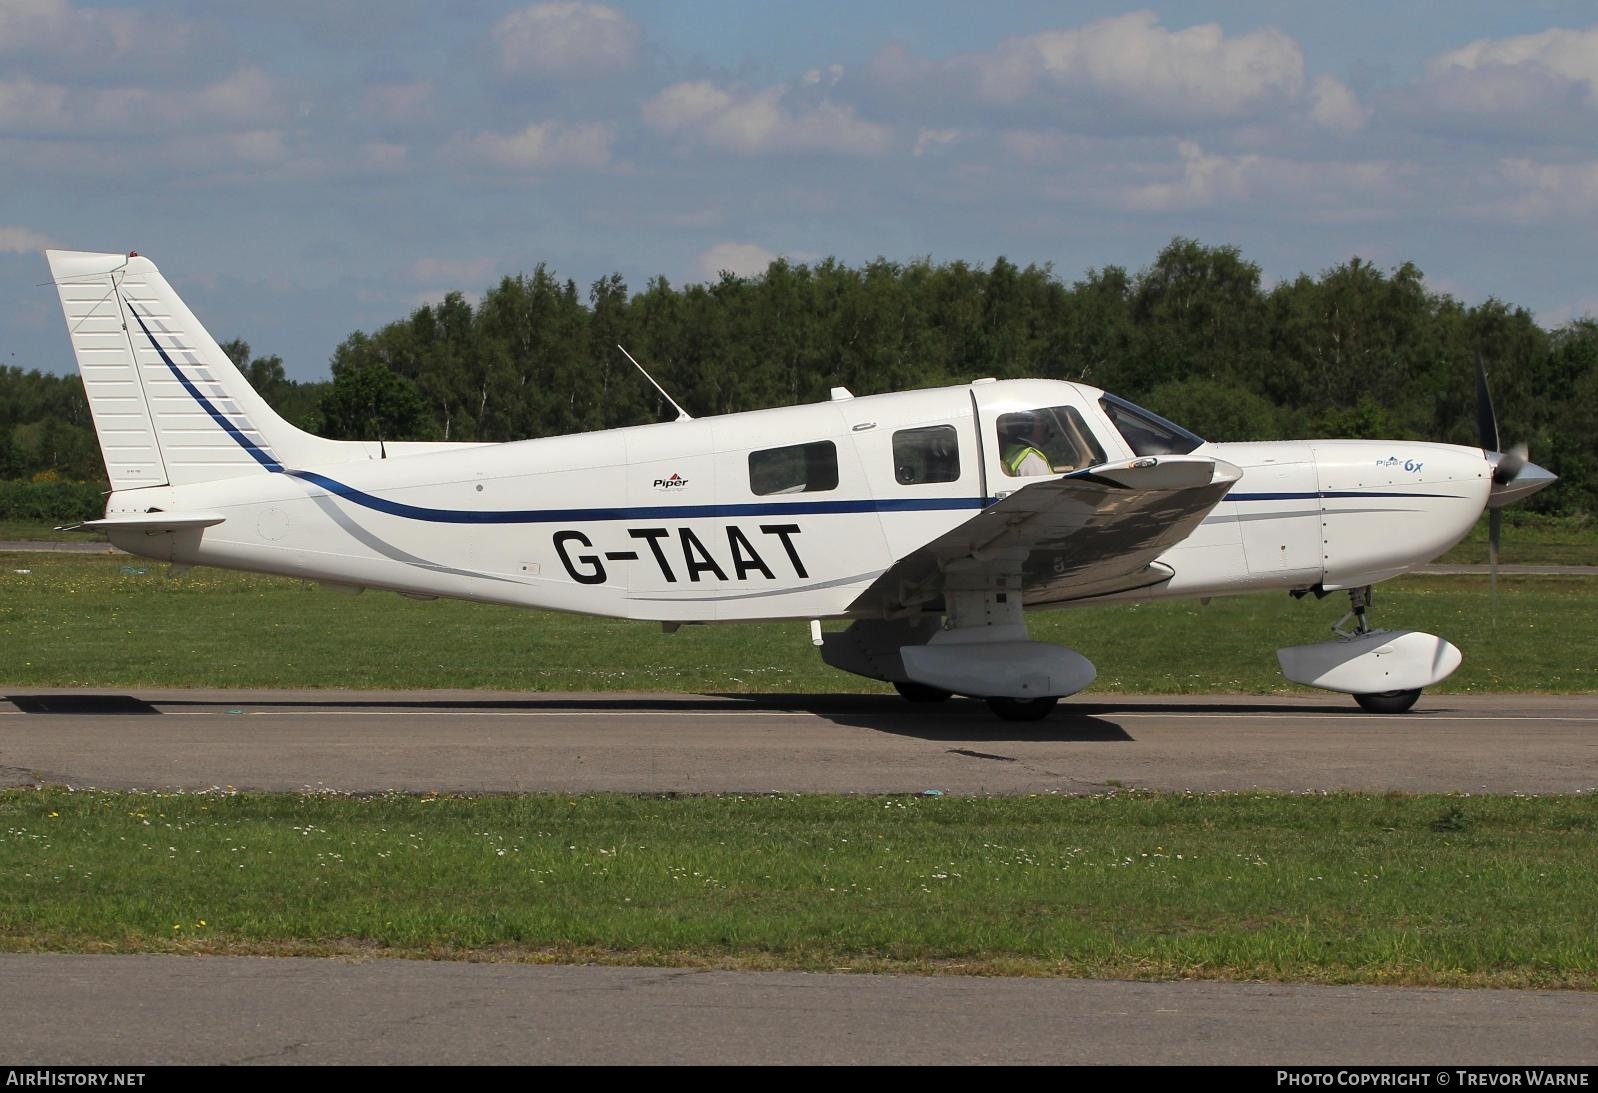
(1025, 437)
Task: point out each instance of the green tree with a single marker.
(1216, 410)
(369, 402)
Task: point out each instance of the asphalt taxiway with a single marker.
(133, 1010)
(475, 742)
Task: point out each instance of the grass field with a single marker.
(1531, 541)
(1342, 888)
(93, 620)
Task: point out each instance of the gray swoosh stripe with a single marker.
(389, 550)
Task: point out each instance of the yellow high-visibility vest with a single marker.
(1019, 455)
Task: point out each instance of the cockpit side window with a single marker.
(926, 455)
(1052, 440)
(1146, 432)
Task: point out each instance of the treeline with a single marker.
(1355, 352)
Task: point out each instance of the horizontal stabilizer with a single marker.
(154, 523)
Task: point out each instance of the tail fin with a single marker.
(168, 405)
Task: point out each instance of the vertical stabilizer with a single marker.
(168, 404)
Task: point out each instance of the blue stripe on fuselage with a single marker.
(641, 512)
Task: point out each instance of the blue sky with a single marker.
(301, 170)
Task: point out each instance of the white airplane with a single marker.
(932, 519)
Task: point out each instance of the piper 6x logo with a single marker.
(1411, 465)
(674, 481)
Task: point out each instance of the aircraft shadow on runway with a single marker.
(81, 704)
(952, 721)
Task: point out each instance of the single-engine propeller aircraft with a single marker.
(931, 519)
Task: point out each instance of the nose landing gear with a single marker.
(1359, 602)
(1385, 670)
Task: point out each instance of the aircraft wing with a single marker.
(1085, 534)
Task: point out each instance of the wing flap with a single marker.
(1088, 533)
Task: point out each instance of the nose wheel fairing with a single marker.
(1375, 662)
(1385, 670)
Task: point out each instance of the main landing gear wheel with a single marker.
(920, 692)
(1022, 709)
(1388, 701)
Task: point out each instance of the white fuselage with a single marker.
(664, 521)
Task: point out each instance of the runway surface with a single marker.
(132, 1010)
(471, 742)
(119, 1010)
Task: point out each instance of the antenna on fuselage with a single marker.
(682, 415)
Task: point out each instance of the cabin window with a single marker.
(798, 468)
(1052, 440)
(930, 454)
(1146, 432)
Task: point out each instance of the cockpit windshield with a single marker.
(1146, 432)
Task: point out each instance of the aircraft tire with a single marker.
(1388, 701)
(920, 692)
(1022, 709)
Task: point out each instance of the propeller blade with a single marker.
(1486, 421)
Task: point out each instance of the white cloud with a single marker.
(1334, 106)
(547, 144)
(1205, 180)
(829, 75)
(385, 156)
(1034, 146)
(54, 30)
(1128, 64)
(1584, 307)
(1551, 192)
(461, 272)
(247, 98)
(34, 24)
(758, 122)
(740, 259)
(566, 39)
(1345, 190)
(19, 240)
(397, 102)
(932, 141)
(1571, 54)
(243, 96)
(262, 147)
(1534, 86)
(28, 105)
